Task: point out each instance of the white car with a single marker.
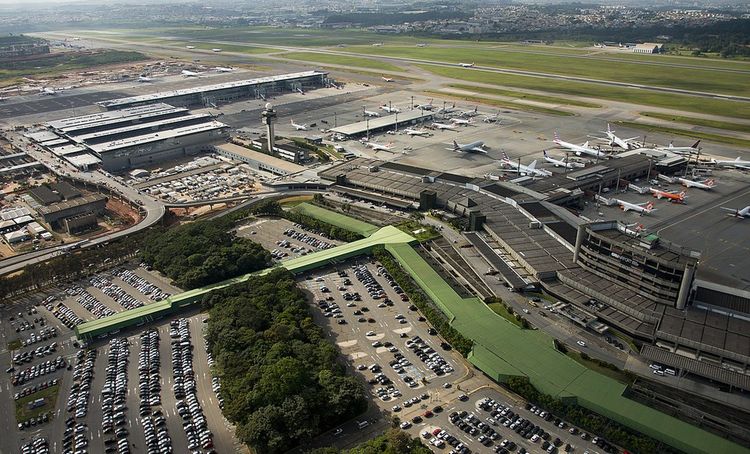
(581, 343)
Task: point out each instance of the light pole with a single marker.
(334, 120)
(396, 122)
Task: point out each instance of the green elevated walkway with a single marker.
(154, 311)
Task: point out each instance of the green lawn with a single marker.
(522, 95)
(343, 60)
(61, 62)
(700, 121)
(501, 104)
(686, 133)
(676, 102)
(642, 72)
(502, 311)
(337, 219)
(426, 232)
(50, 398)
(14, 344)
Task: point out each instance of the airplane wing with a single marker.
(479, 150)
(731, 210)
(743, 167)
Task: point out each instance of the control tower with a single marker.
(268, 117)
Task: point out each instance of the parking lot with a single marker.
(116, 396)
(285, 239)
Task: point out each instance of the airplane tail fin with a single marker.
(532, 165)
(545, 153)
(695, 145)
(649, 206)
(609, 128)
(557, 136)
(456, 147)
(710, 182)
(505, 156)
(585, 144)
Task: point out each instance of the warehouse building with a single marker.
(258, 160)
(56, 213)
(211, 95)
(382, 124)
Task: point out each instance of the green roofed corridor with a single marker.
(502, 350)
(333, 218)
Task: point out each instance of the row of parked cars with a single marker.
(41, 335)
(154, 424)
(114, 395)
(432, 359)
(29, 390)
(115, 292)
(185, 389)
(89, 302)
(142, 285)
(37, 370)
(308, 239)
(392, 282)
(65, 314)
(363, 274)
(39, 445)
(472, 425)
(28, 356)
(80, 389)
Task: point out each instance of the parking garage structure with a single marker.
(211, 95)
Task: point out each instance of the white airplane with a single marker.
(578, 149)
(681, 150)
(494, 118)
(460, 122)
(216, 49)
(416, 132)
(447, 110)
(625, 144)
(390, 109)
(737, 163)
(561, 163)
(736, 212)
(190, 47)
(370, 113)
(377, 44)
(302, 127)
(47, 91)
(387, 79)
(524, 169)
(642, 208)
(427, 106)
(705, 184)
(469, 113)
(466, 65)
(443, 126)
(224, 69)
(473, 147)
(186, 73)
(378, 147)
(145, 79)
(300, 91)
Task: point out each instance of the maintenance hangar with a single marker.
(210, 95)
(133, 137)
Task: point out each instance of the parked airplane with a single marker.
(443, 126)
(216, 49)
(387, 79)
(615, 141)
(467, 65)
(681, 150)
(447, 110)
(427, 106)
(491, 118)
(390, 109)
(524, 169)
(578, 149)
(705, 184)
(737, 163)
(460, 122)
(473, 147)
(302, 127)
(469, 113)
(224, 69)
(642, 208)
(416, 132)
(145, 79)
(190, 47)
(370, 113)
(562, 163)
(186, 73)
(672, 196)
(47, 91)
(378, 147)
(738, 213)
(300, 91)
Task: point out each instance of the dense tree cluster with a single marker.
(392, 442)
(281, 380)
(381, 18)
(418, 298)
(589, 421)
(203, 253)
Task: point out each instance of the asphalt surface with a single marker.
(35, 104)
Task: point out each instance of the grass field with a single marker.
(50, 398)
(591, 90)
(531, 97)
(700, 121)
(332, 59)
(14, 344)
(333, 218)
(293, 201)
(685, 133)
(11, 70)
(500, 104)
(500, 310)
(644, 73)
